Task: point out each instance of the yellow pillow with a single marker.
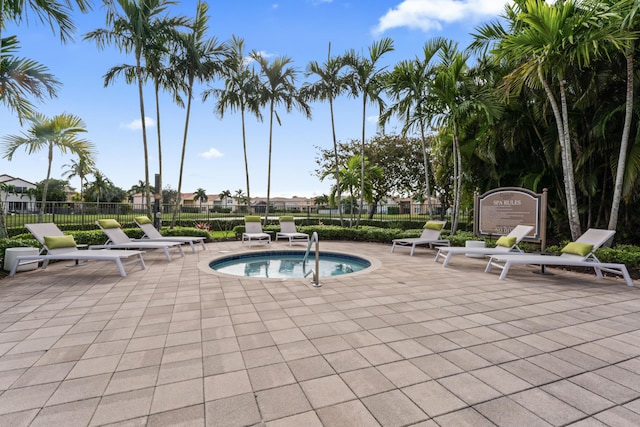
(108, 223)
(57, 242)
(582, 249)
(431, 225)
(506, 241)
(286, 218)
(252, 219)
(142, 220)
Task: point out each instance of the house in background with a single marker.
(21, 198)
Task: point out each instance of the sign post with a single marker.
(498, 211)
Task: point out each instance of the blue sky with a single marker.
(299, 29)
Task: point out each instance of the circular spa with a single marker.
(287, 264)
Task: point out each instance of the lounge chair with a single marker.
(288, 231)
(117, 239)
(504, 244)
(576, 254)
(153, 235)
(430, 236)
(253, 231)
(58, 246)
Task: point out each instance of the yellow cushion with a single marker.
(432, 225)
(506, 241)
(142, 220)
(286, 218)
(252, 219)
(582, 249)
(108, 223)
(56, 242)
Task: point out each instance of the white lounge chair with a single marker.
(504, 244)
(576, 254)
(288, 231)
(58, 246)
(253, 231)
(153, 235)
(430, 236)
(117, 239)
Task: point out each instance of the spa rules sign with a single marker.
(498, 211)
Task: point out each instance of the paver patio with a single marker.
(406, 342)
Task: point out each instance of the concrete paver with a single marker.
(403, 342)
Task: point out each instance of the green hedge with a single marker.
(626, 254)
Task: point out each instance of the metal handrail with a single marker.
(315, 282)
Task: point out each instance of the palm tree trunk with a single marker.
(364, 118)
(337, 160)
(144, 136)
(184, 149)
(45, 187)
(425, 159)
(624, 144)
(562, 124)
(457, 184)
(246, 160)
(266, 210)
(158, 190)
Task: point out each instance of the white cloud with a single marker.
(137, 124)
(427, 15)
(372, 119)
(210, 154)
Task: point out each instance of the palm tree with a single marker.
(331, 83)
(350, 181)
(459, 97)
(199, 59)
(408, 85)
(630, 9)
(544, 40)
(59, 132)
(200, 196)
(50, 11)
(278, 88)
(99, 188)
(134, 24)
(225, 195)
(240, 93)
(22, 77)
(367, 80)
(163, 76)
(80, 168)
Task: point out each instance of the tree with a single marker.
(367, 80)
(459, 96)
(133, 25)
(139, 188)
(350, 181)
(6, 190)
(80, 168)
(630, 10)
(544, 41)
(278, 88)
(21, 78)
(240, 93)
(50, 11)
(331, 83)
(200, 196)
(59, 132)
(103, 190)
(198, 59)
(408, 85)
(163, 76)
(56, 189)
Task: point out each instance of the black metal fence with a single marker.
(83, 215)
